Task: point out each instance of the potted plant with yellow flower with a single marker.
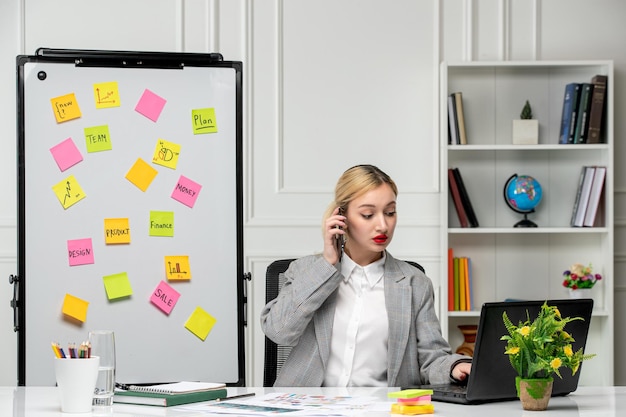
(537, 350)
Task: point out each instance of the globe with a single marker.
(522, 194)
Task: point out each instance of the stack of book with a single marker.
(587, 210)
(459, 282)
(166, 395)
(461, 200)
(584, 109)
(412, 402)
(456, 120)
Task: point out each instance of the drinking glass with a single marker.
(103, 345)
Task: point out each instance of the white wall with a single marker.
(327, 84)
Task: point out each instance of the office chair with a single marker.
(276, 355)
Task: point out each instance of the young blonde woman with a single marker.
(355, 315)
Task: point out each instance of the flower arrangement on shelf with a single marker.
(580, 276)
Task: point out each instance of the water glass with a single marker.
(103, 345)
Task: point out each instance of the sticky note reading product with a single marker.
(80, 251)
(150, 105)
(166, 154)
(177, 268)
(117, 286)
(68, 192)
(116, 231)
(165, 297)
(106, 95)
(162, 223)
(141, 174)
(66, 154)
(186, 191)
(203, 121)
(65, 108)
(98, 139)
(200, 323)
(75, 307)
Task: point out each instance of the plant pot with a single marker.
(534, 394)
(580, 293)
(525, 132)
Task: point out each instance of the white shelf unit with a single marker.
(525, 263)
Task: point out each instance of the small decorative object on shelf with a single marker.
(526, 129)
(522, 194)
(469, 339)
(579, 280)
(537, 350)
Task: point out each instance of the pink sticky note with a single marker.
(186, 191)
(164, 297)
(66, 154)
(80, 251)
(150, 105)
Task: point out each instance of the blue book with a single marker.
(568, 118)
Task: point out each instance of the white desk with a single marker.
(585, 402)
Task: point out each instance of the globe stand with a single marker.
(525, 222)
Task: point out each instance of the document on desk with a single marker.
(292, 405)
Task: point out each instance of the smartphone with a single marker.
(339, 238)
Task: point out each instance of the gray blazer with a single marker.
(302, 316)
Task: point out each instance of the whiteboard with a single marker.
(153, 343)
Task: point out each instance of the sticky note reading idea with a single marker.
(165, 297)
(116, 231)
(80, 251)
(200, 323)
(186, 191)
(68, 192)
(75, 307)
(65, 108)
(150, 105)
(203, 121)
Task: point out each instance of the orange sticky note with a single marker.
(200, 323)
(68, 192)
(65, 108)
(106, 95)
(141, 174)
(177, 268)
(75, 307)
(116, 231)
(117, 286)
(166, 154)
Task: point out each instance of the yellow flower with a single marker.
(556, 363)
(512, 351)
(557, 312)
(568, 351)
(524, 331)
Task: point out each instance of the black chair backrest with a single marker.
(276, 355)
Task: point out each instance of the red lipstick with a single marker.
(380, 239)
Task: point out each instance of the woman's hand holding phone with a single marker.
(333, 236)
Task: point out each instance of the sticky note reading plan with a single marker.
(75, 307)
(65, 108)
(203, 121)
(200, 323)
(66, 154)
(116, 231)
(165, 297)
(186, 191)
(80, 251)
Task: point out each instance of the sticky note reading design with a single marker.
(186, 191)
(203, 121)
(68, 192)
(165, 297)
(117, 286)
(162, 223)
(166, 154)
(65, 108)
(141, 174)
(80, 251)
(97, 139)
(150, 105)
(66, 154)
(116, 231)
(200, 323)
(177, 268)
(75, 307)
(106, 95)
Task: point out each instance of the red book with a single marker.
(456, 198)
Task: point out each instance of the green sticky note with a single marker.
(97, 138)
(162, 223)
(117, 286)
(203, 121)
(200, 323)
(410, 393)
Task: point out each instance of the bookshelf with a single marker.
(525, 263)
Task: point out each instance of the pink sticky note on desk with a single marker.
(66, 154)
(150, 105)
(80, 251)
(186, 191)
(165, 297)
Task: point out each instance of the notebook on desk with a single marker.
(492, 377)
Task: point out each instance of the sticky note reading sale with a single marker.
(177, 268)
(186, 191)
(203, 121)
(200, 323)
(116, 231)
(80, 251)
(75, 307)
(65, 108)
(141, 174)
(117, 286)
(164, 297)
(66, 154)
(150, 105)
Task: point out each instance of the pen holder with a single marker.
(76, 379)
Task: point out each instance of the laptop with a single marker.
(492, 377)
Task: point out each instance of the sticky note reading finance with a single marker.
(164, 297)
(177, 268)
(150, 105)
(117, 286)
(162, 223)
(75, 307)
(116, 231)
(80, 251)
(203, 121)
(66, 154)
(98, 139)
(65, 108)
(200, 323)
(186, 191)
(166, 154)
(141, 174)
(68, 192)
(106, 95)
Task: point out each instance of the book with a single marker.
(182, 387)
(568, 116)
(456, 198)
(450, 279)
(584, 105)
(582, 196)
(467, 204)
(453, 127)
(596, 113)
(462, 288)
(594, 197)
(167, 400)
(466, 275)
(470, 284)
(460, 117)
(456, 284)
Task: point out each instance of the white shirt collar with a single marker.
(373, 272)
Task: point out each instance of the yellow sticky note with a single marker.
(106, 95)
(141, 174)
(116, 231)
(65, 108)
(161, 223)
(75, 307)
(166, 153)
(203, 121)
(200, 323)
(68, 192)
(117, 286)
(177, 268)
(98, 139)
